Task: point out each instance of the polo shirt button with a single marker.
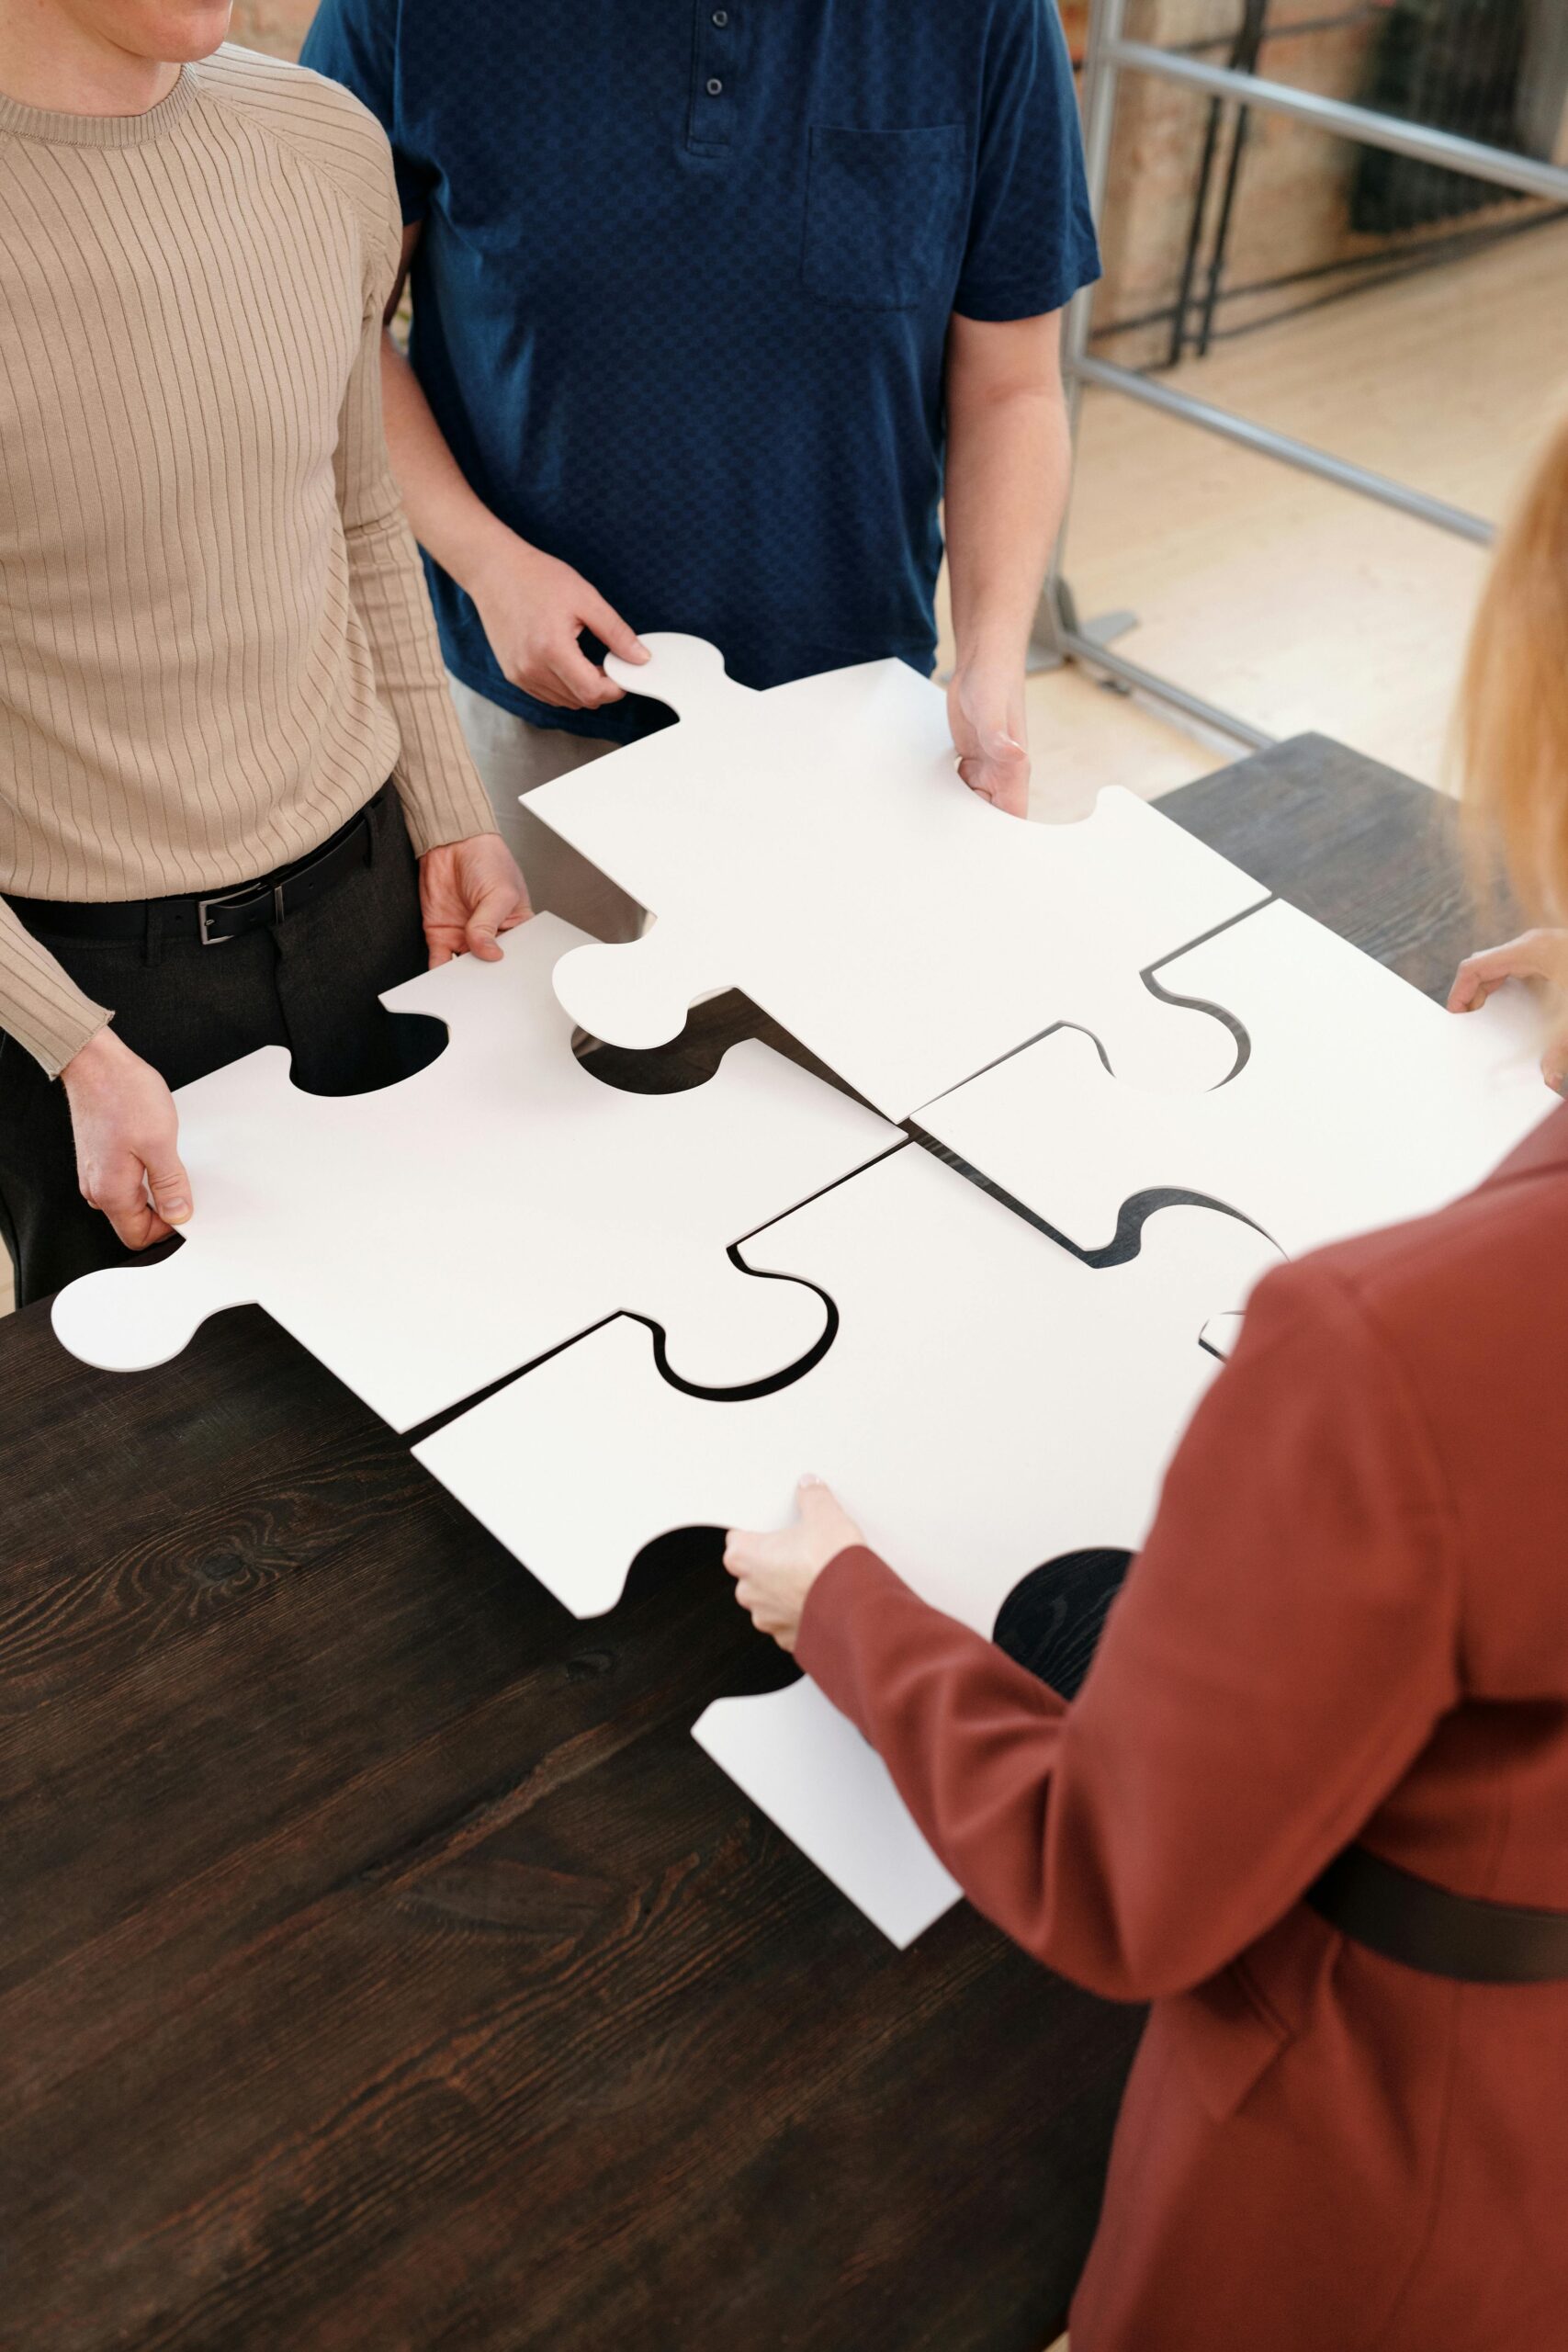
(721, 17)
(714, 88)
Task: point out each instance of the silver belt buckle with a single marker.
(243, 898)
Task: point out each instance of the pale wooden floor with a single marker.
(1293, 604)
(1288, 601)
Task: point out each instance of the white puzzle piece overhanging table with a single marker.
(1361, 1101)
(990, 1403)
(427, 1239)
(814, 846)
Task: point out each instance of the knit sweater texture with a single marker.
(215, 642)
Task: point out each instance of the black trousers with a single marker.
(309, 983)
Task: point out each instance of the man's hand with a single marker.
(470, 892)
(985, 710)
(533, 608)
(775, 1573)
(1537, 955)
(127, 1128)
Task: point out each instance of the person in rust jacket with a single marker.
(1347, 1630)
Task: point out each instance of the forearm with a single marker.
(40, 1005)
(531, 605)
(449, 518)
(971, 1738)
(1281, 1652)
(1008, 460)
(437, 784)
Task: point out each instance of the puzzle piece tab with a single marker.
(424, 1240)
(1361, 1103)
(814, 846)
(989, 1402)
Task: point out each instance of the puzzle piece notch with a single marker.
(814, 846)
(427, 1239)
(955, 1322)
(989, 1402)
(1360, 1104)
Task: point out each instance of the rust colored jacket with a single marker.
(1351, 1620)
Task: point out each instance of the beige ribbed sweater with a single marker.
(215, 643)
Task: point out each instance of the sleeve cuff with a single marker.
(48, 1014)
(1023, 297)
(825, 1647)
(453, 808)
(91, 1019)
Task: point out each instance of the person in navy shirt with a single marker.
(714, 309)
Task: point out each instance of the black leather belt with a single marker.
(1407, 1919)
(220, 915)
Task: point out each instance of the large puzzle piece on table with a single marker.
(424, 1240)
(814, 846)
(989, 1402)
(1361, 1101)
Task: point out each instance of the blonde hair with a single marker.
(1512, 733)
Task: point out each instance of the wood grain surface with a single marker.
(381, 1962)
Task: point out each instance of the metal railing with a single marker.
(1108, 56)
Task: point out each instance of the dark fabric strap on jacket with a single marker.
(1407, 1919)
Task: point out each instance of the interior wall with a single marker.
(1292, 215)
(1293, 210)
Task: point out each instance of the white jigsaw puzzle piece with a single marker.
(1361, 1101)
(424, 1240)
(814, 846)
(989, 1402)
(806, 1767)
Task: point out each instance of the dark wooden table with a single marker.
(381, 1962)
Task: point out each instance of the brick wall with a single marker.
(1290, 208)
(1291, 212)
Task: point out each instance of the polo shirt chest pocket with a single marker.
(883, 213)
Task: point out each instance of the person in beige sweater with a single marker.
(235, 804)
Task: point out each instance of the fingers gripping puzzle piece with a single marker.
(424, 1240)
(989, 1402)
(1360, 1103)
(814, 846)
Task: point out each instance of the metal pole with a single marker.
(1243, 60)
(1095, 656)
(1361, 124)
(1108, 55)
(1300, 454)
(1105, 20)
(1195, 233)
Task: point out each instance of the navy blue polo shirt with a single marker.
(683, 286)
